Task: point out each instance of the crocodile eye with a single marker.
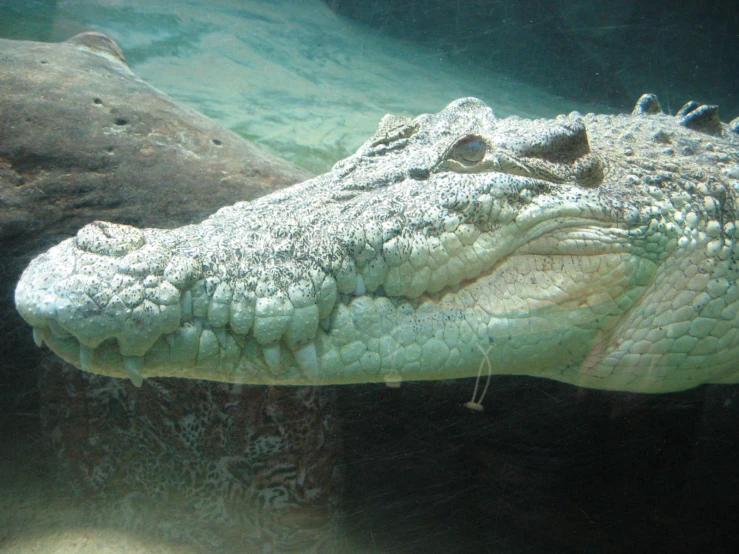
(470, 149)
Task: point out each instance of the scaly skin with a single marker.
(604, 258)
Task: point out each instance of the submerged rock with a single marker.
(83, 138)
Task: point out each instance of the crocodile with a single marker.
(596, 250)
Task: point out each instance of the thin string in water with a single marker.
(476, 405)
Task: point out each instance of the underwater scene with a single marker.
(369, 277)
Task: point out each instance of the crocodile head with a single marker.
(595, 250)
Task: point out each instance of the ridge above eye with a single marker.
(563, 141)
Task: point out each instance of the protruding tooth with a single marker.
(374, 273)
(218, 310)
(346, 276)
(361, 289)
(222, 336)
(187, 306)
(272, 357)
(229, 354)
(170, 341)
(208, 349)
(273, 314)
(326, 297)
(307, 360)
(393, 380)
(86, 354)
(241, 312)
(303, 326)
(58, 331)
(134, 366)
(39, 335)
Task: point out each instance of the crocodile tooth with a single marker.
(187, 305)
(221, 335)
(303, 326)
(134, 365)
(326, 297)
(39, 335)
(307, 360)
(229, 354)
(208, 348)
(272, 356)
(58, 331)
(241, 312)
(86, 357)
(272, 317)
(393, 380)
(170, 341)
(360, 288)
(218, 309)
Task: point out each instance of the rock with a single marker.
(83, 138)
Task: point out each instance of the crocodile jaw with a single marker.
(443, 239)
(521, 311)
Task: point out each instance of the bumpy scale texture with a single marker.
(598, 250)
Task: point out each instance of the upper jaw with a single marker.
(135, 291)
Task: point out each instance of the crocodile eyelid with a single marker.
(470, 149)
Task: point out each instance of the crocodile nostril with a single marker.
(109, 239)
